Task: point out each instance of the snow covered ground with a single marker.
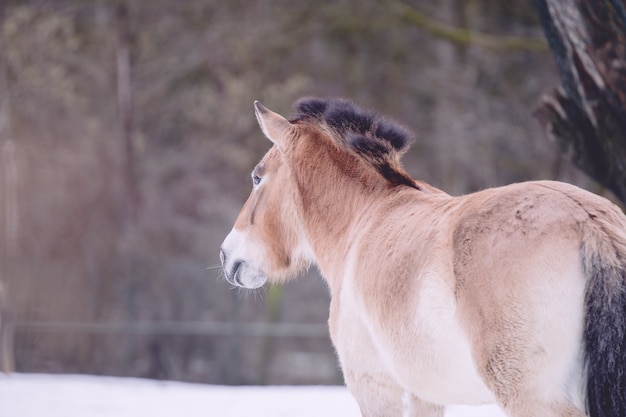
(34, 395)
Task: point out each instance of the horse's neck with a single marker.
(334, 232)
(329, 222)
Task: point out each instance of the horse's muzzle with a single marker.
(240, 274)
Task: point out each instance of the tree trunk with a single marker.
(7, 359)
(450, 127)
(131, 192)
(9, 217)
(125, 109)
(587, 115)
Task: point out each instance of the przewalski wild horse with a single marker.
(515, 294)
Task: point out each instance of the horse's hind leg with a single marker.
(530, 408)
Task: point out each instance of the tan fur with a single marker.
(439, 299)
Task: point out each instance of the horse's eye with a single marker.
(255, 179)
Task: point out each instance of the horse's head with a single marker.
(310, 185)
(267, 241)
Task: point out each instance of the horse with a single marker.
(514, 295)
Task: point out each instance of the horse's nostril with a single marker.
(235, 275)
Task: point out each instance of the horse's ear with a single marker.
(273, 125)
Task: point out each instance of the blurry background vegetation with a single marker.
(127, 136)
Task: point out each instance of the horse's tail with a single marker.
(604, 262)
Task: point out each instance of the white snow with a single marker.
(34, 395)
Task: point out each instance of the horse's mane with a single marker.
(372, 136)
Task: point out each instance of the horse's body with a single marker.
(485, 291)
(514, 294)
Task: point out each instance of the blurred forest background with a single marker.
(127, 135)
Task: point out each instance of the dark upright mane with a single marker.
(367, 133)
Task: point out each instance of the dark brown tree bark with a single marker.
(587, 114)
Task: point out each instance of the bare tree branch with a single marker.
(465, 37)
